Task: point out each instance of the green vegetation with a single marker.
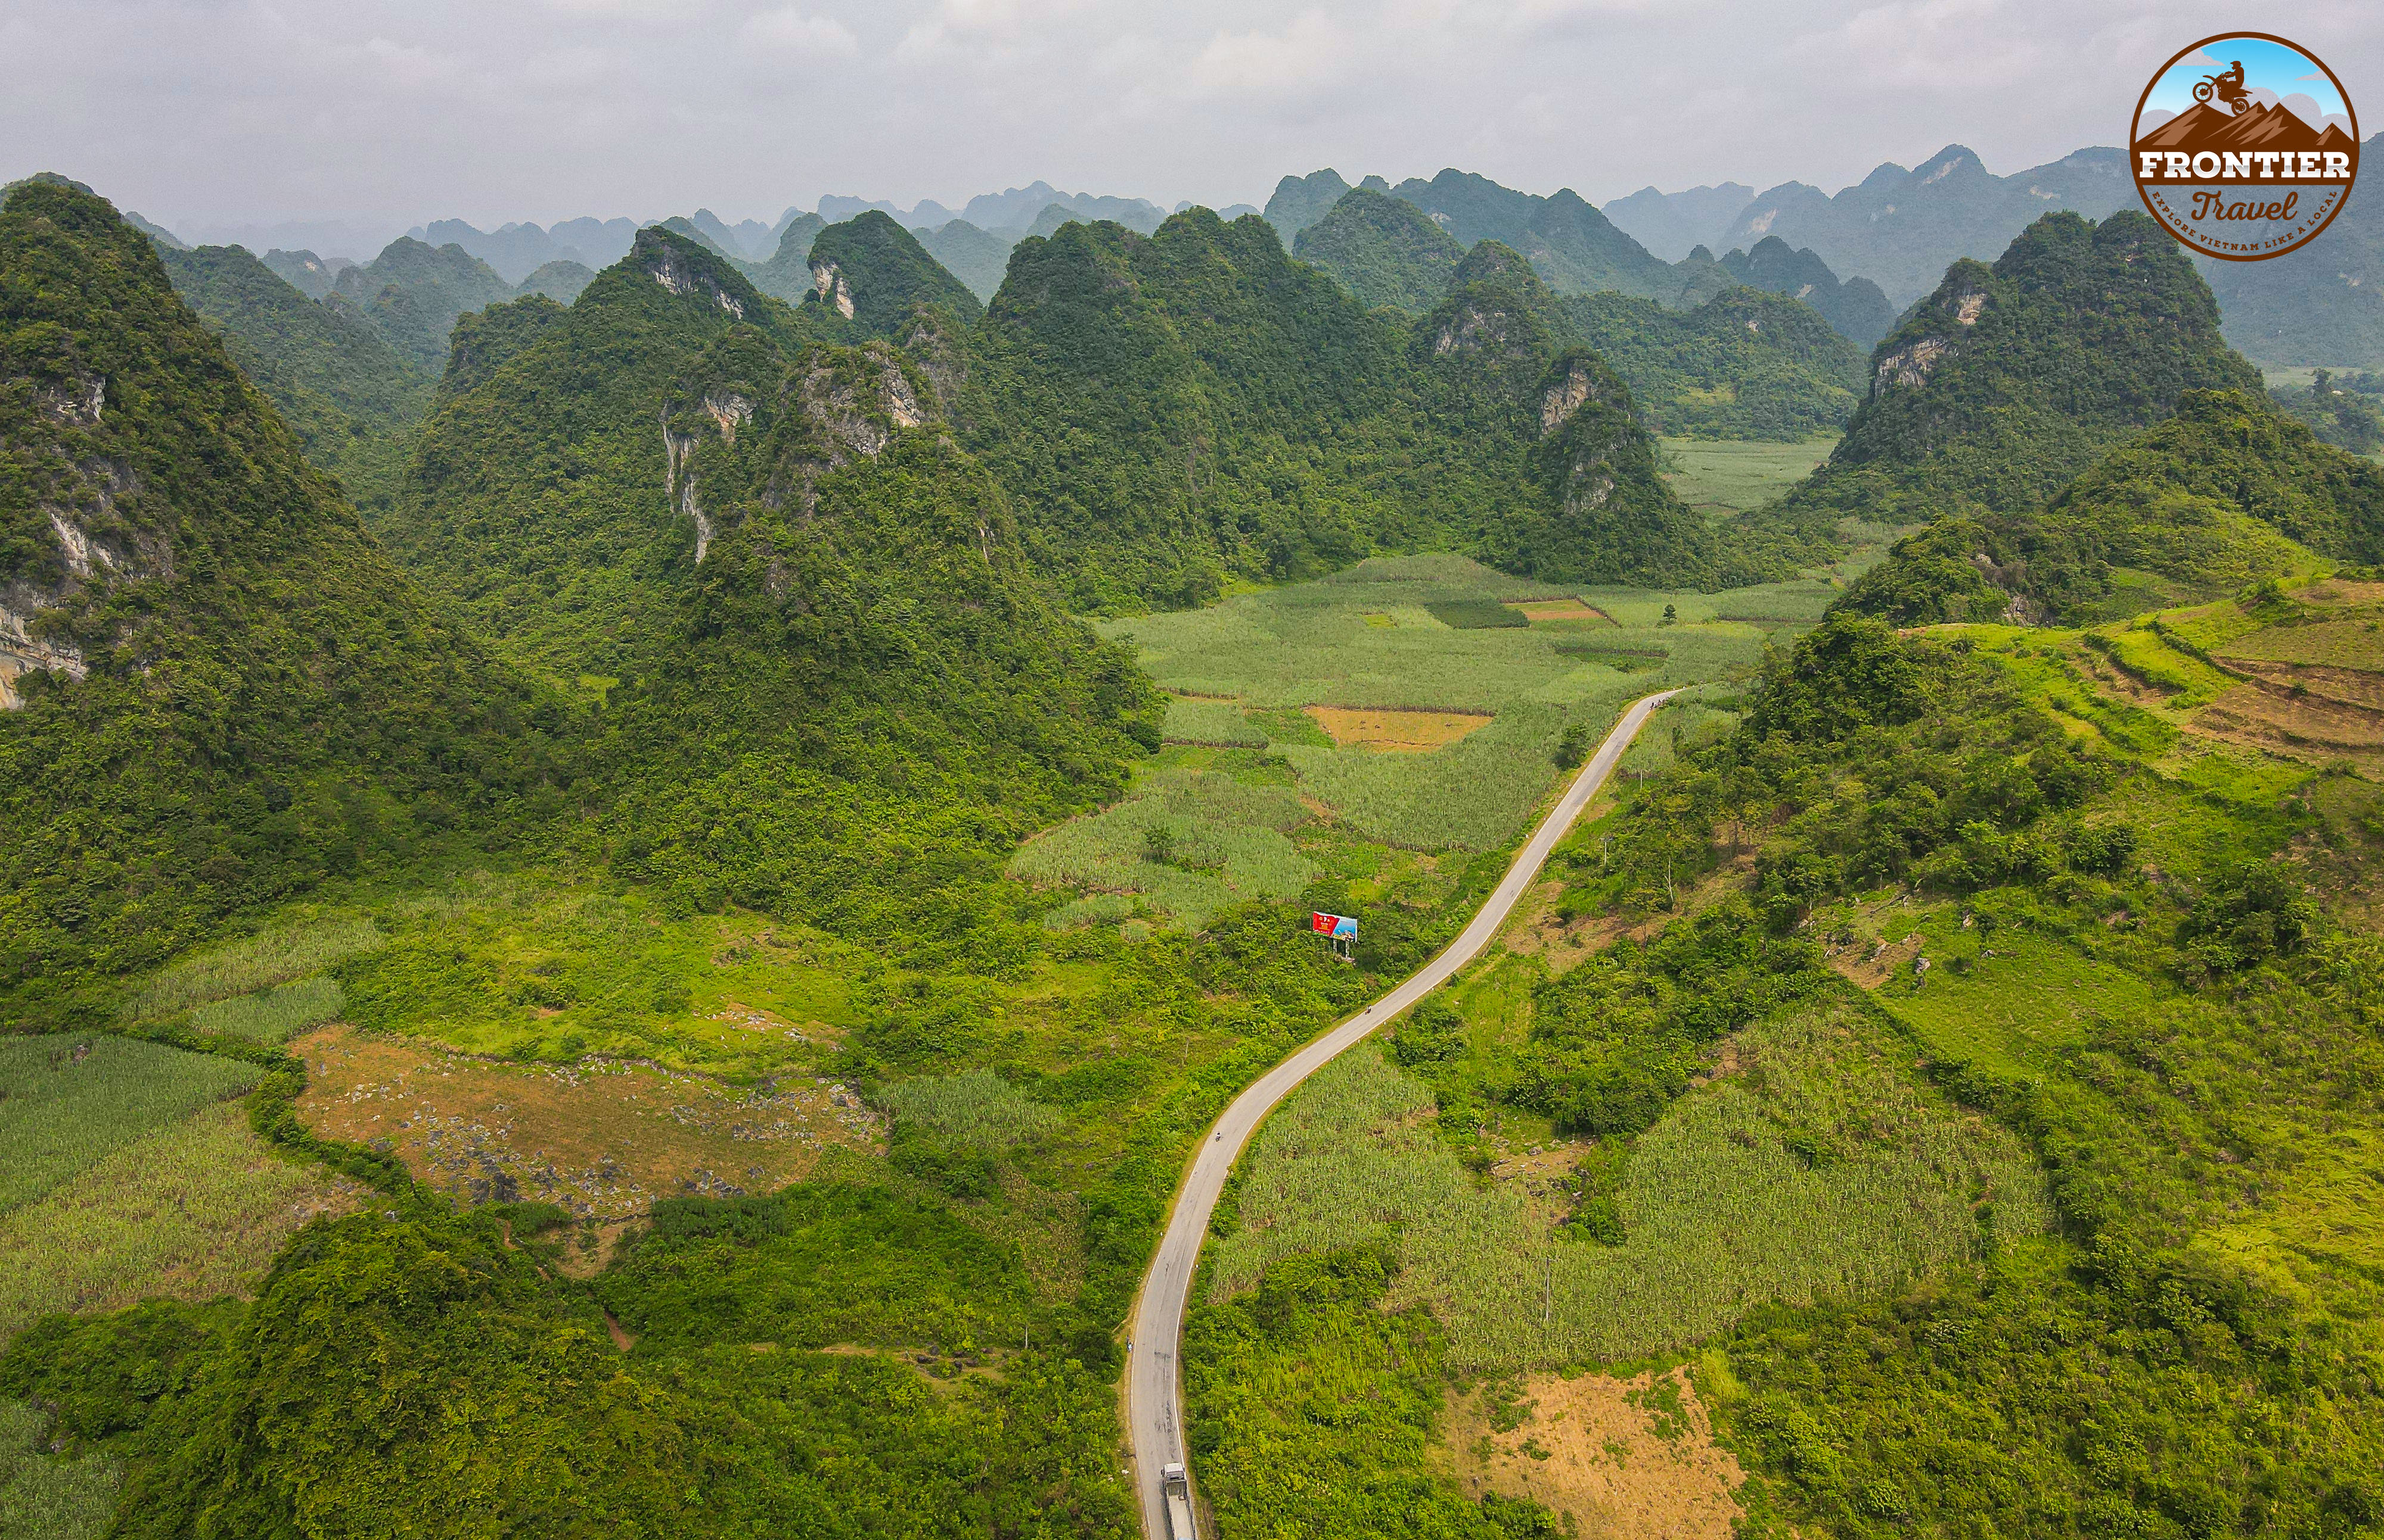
(43, 1495)
(976, 1108)
(1384, 249)
(2081, 933)
(274, 1015)
(788, 273)
(1855, 309)
(2219, 497)
(303, 942)
(564, 426)
(71, 1100)
(1573, 247)
(412, 294)
(352, 399)
(1742, 365)
(974, 256)
(2345, 417)
(1738, 475)
(2009, 381)
(1171, 412)
(1311, 1410)
(1819, 1172)
(264, 700)
(873, 272)
(1368, 638)
(1188, 842)
(191, 1206)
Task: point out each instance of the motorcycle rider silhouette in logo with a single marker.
(2227, 86)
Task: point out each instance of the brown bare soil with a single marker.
(1613, 1456)
(1870, 961)
(1393, 730)
(2357, 686)
(2309, 726)
(603, 1139)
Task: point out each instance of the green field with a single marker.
(193, 1209)
(71, 1100)
(1735, 474)
(44, 1498)
(1241, 671)
(1719, 1211)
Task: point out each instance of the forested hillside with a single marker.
(410, 293)
(2224, 495)
(2009, 381)
(233, 692)
(1742, 365)
(352, 398)
(567, 426)
(1384, 249)
(1170, 411)
(872, 273)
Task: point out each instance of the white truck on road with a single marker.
(1176, 1487)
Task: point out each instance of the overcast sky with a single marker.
(203, 113)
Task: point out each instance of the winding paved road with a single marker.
(1155, 1389)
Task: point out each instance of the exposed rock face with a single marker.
(1909, 365)
(828, 279)
(95, 545)
(1578, 383)
(833, 407)
(667, 266)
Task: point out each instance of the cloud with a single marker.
(2313, 75)
(789, 31)
(1312, 52)
(628, 10)
(2305, 109)
(2200, 61)
(995, 24)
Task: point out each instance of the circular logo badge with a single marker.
(2244, 146)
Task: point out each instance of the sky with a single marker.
(376, 115)
(2281, 72)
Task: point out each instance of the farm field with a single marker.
(1375, 717)
(127, 1170)
(1731, 475)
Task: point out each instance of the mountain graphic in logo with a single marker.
(2257, 126)
(2244, 146)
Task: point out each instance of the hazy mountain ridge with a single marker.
(1900, 228)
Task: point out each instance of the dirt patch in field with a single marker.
(601, 1138)
(1625, 1460)
(1560, 609)
(1870, 961)
(2341, 591)
(2356, 686)
(2309, 726)
(1395, 731)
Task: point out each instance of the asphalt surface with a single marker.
(1154, 1388)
